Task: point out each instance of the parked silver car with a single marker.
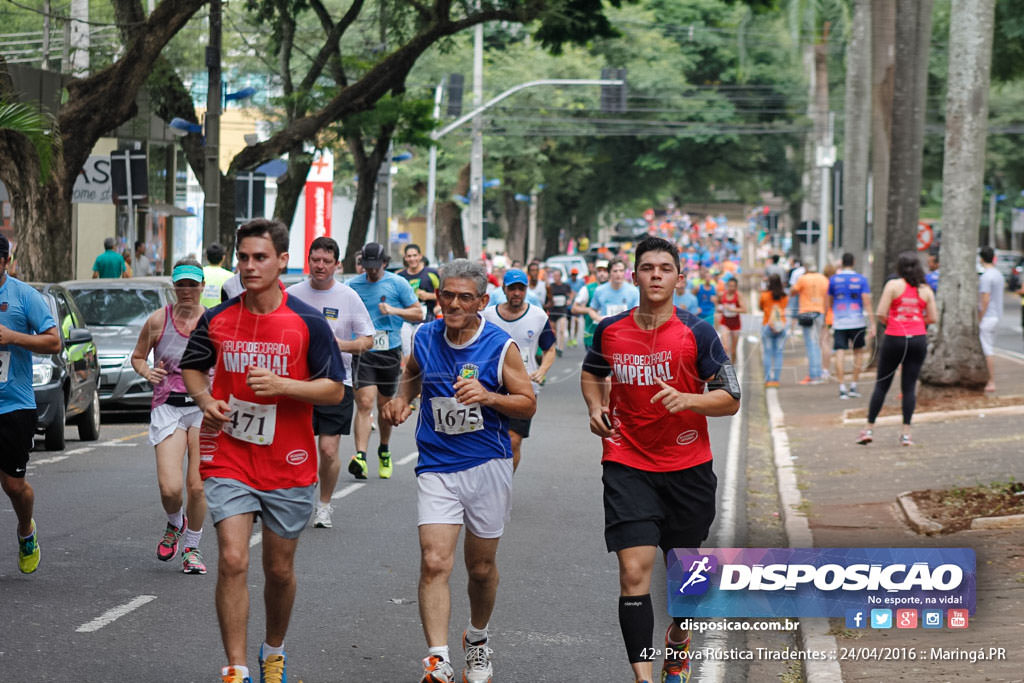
(115, 311)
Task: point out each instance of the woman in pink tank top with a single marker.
(907, 307)
(175, 418)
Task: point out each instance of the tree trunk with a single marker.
(910, 89)
(956, 357)
(517, 214)
(883, 36)
(367, 168)
(291, 184)
(857, 134)
(811, 178)
(449, 221)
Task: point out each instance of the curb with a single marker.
(812, 634)
(936, 416)
(915, 518)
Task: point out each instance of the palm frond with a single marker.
(38, 126)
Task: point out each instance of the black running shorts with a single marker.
(666, 509)
(843, 339)
(17, 430)
(336, 419)
(520, 427)
(381, 369)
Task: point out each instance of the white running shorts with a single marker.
(480, 497)
(987, 334)
(165, 419)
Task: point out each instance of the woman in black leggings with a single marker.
(906, 308)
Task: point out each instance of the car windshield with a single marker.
(116, 306)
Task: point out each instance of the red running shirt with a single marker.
(292, 341)
(684, 352)
(906, 314)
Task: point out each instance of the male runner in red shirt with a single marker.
(659, 487)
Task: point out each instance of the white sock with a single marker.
(842, 388)
(320, 505)
(177, 518)
(244, 670)
(476, 635)
(271, 650)
(441, 651)
(853, 386)
(192, 538)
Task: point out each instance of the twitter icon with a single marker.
(881, 618)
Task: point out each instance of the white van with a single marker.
(566, 263)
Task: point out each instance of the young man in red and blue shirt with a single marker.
(659, 486)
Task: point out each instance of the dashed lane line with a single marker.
(409, 458)
(351, 488)
(112, 615)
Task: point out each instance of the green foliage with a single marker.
(37, 126)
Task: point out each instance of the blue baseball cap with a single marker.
(516, 277)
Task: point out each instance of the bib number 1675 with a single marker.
(451, 417)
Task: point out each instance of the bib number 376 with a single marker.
(451, 417)
(252, 422)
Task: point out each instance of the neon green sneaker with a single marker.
(357, 466)
(28, 552)
(384, 470)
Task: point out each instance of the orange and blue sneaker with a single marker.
(436, 670)
(28, 551)
(676, 668)
(231, 674)
(168, 546)
(273, 669)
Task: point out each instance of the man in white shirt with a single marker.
(353, 330)
(990, 309)
(529, 328)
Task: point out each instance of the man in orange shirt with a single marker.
(812, 288)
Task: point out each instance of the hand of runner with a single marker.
(6, 336)
(157, 374)
(470, 391)
(600, 424)
(263, 382)
(871, 331)
(385, 309)
(673, 400)
(537, 376)
(215, 414)
(396, 411)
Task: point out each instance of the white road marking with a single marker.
(111, 615)
(351, 488)
(409, 458)
(47, 461)
(84, 449)
(255, 539)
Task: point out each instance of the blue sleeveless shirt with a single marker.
(452, 437)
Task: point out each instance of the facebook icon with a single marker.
(855, 618)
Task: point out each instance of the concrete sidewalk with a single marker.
(840, 494)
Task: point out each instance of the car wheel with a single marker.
(53, 438)
(89, 422)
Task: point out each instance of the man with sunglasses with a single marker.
(390, 300)
(530, 329)
(174, 417)
(472, 380)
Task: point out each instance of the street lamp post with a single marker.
(211, 172)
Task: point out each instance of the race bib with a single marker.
(252, 422)
(558, 300)
(381, 341)
(451, 417)
(615, 309)
(5, 365)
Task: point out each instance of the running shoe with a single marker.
(168, 546)
(274, 668)
(842, 394)
(676, 668)
(230, 674)
(572, 343)
(905, 440)
(853, 393)
(436, 670)
(806, 380)
(192, 561)
(357, 467)
(28, 551)
(478, 662)
(384, 469)
(771, 384)
(322, 517)
(865, 437)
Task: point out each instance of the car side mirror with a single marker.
(79, 335)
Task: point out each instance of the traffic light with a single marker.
(455, 85)
(613, 97)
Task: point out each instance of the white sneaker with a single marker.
(478, 662)
(436, 670)
(322, 517)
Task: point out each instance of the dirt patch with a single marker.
(934, 401)
(955, 508)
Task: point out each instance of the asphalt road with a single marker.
(355, 616)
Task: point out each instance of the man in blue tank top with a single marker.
(471, 377)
